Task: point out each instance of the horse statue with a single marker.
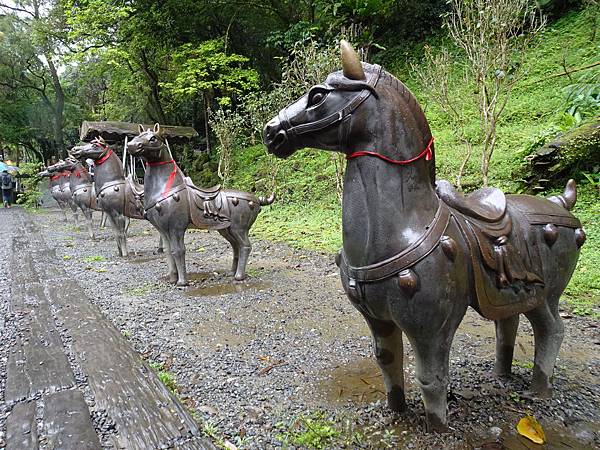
(416, 253)
(118, 196)
(60, 189)
(82, 190)
(173, 204)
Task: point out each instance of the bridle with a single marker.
(105, 155)
(344, 117)
(172, 174)
(341, 116)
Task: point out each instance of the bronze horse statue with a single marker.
(82, 189)
(417, 253)
(118, 196)
(173, 204)
(60, 189)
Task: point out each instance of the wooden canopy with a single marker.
(117, 131)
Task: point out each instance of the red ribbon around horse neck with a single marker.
(171, 175)
(103, 159)
(427, 153)
(54, 177)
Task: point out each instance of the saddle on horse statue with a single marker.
(208, 206)
(508, 273)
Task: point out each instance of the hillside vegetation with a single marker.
(307, 213)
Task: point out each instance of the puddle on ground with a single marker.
(203, 276)
(358, 381)
(228, 288)
(557, 438)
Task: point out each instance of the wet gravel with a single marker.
(287, 343)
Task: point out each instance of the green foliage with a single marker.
(583, 292)
(207, 67)
(227, 126)
(313, 431)
(199, 166)
(29, 180)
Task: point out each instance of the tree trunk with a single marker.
(206, 122)
(154, 87)
(58, 109)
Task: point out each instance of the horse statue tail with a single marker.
(568, 198)
(266, 201)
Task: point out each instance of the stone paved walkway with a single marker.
(69, 379)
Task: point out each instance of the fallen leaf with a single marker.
(531, 429)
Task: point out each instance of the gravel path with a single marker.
(284, 352)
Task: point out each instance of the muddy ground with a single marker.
(254, 359)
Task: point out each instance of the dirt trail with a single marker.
(250, 358)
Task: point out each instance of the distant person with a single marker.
(6, 181)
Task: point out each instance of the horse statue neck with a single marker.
(65, 177)
(386, 206)
(108, 170)
(79, 176)
(161, 176)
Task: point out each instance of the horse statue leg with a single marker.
(177, 250)
(88, 213)
(234, 245)
(160, 248)
(389, 352)
(122, 234)
(172, 275)
(117, 221)
(74, 207)
(548, 332)
(506, 334)
(63, 209)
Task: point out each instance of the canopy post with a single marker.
(125, 154)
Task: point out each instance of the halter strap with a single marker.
(336, 117)
(408, 257)
(103, 158)
(427, 153)
(171, 178)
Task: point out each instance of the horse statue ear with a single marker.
(157, 129)
(140, 128)
(351, 65)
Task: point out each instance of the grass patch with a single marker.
(314, 431)
(94, 258)
(140, 291)
(167, 378)
(523, 364)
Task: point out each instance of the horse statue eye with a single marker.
(317, 98)
(152, 139)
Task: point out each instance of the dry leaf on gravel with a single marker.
(531, 429)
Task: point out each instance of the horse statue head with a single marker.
(149, 144)
(70, 163)
(95, 150)
(360, 109)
